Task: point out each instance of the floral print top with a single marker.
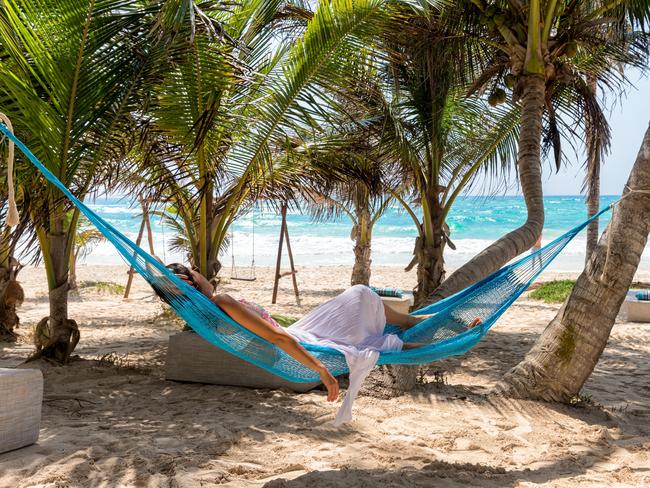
(259, 310)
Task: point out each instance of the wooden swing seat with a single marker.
(243, 279)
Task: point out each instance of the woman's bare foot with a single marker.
(475, 323)
(420, 318)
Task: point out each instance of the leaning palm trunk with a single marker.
(565, 355)
(390, 381)
(530, 177)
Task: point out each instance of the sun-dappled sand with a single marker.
(110, 419)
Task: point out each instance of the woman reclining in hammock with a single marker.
(357, 317)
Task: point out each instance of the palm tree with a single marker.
(67, 82)
(543, 52)
(597, 137)
(441, 140)
(215, 65)
(241, 123)
(478, 141)
(562, 359)
(347, 171)
(360, 197)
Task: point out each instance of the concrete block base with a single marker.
(635, 310)
(193, 359)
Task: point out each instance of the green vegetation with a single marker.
(284, 320)
(567, 344)
(582, 400)
(103, 286)
(554, 291)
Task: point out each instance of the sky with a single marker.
(628, 120)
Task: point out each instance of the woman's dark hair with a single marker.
(176, 268)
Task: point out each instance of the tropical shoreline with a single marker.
(475, 223)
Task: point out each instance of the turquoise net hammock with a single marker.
(445, 333)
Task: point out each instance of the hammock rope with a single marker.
(445, 333)
(12, 213)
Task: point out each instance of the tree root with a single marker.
(55, 344)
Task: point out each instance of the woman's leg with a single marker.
(406, 321)
(401, 320)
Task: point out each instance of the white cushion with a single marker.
(21, 396)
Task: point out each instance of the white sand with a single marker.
(118, 423)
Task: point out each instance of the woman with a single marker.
(351, 322)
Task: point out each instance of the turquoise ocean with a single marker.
(474, 222)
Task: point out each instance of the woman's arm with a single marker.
(279, 337)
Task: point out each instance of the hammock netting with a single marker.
(445, 333)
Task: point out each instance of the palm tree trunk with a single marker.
(213, 263)
(530, 177)
(11, 293)
(390, 381)
(361, 235)
(11, 297)
(429, 254)
(566, 353)
(593, 206)
(56, 336)
(72, 276)
(593, 178)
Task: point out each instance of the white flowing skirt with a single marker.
(353, 323)
(354, 318)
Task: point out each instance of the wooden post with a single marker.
(131, 270)
(145, 223)
(293, 269)
(284, 233)
(278, 261)
(145, 218)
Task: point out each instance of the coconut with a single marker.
(571, 49)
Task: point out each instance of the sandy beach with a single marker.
(110, 419)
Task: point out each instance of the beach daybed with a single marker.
(635, 310)
(399, 304)
(21, 396)
(193, 359)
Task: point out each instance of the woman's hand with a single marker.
(330, 383)
(186, 279)
(421, 318)
(198, 281)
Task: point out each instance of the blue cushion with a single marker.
(388, 292)
(643, 295)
